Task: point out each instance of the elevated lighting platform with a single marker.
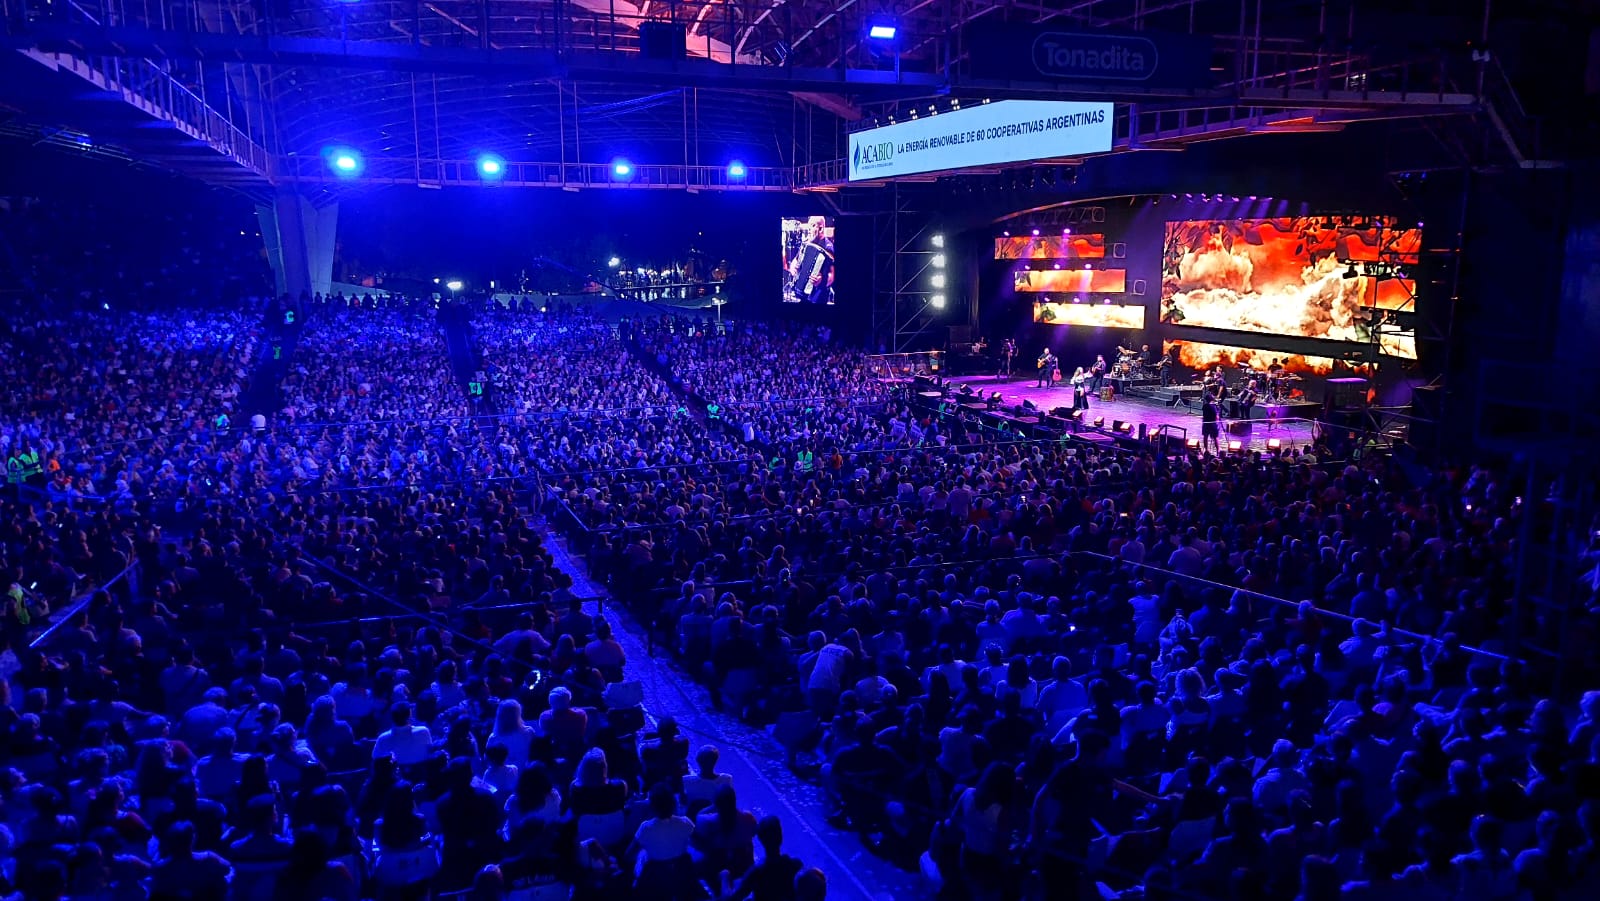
(133, 105)
(568, 176)
(413, 77)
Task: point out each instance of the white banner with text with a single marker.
(1011, 131)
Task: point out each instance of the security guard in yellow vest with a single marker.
(16, 471)
(32, 469)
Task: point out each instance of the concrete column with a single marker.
(300, 242)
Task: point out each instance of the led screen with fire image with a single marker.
(1289, 276)
(1094, 315)
(1051, 247)
(1199, 355)
(1070, 281)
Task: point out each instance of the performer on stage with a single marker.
(1098, 373)
(1147, 357)
(1047, 368)
(1275, 386)
(1080, 389)
(1209, 430)
(1008, 350)
(1247, 399)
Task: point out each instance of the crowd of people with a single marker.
(347, 665)
(364, 365)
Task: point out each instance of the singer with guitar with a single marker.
(1047, 369)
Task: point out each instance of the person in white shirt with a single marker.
(662, 841)
(510, 730)
(499, 777)
(700, 786)
(409, 743)
(827, 677)
(1062, 698)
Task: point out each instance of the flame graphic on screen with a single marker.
(1094, 315)
(1199, 355)
(1281, 276)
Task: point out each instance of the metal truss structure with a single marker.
(907, 307)
(250, 93)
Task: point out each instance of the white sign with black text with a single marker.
(1011, 131)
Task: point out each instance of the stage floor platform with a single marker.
(1290, 431)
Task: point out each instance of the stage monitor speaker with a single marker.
(663, 40)
(1117, 425)
(1239, 427)
(1063, 412)
(1143, 434)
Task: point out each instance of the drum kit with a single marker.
(1280, 386)
(1128, 365)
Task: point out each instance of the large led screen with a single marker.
(1095, 315)
(1050, 247)
(1070, 281)
(1290, 276)
(808, 260)
(1199, 355)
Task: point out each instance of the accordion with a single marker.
(811, 275)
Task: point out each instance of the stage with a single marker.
(1287, 424)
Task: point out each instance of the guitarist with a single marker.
(1047, 368)
(1247, 399)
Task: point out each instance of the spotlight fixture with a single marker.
(938, 261)
(621, 169)
(938, 301)
(614, 262)
(883, 31)
(1192, 444)
(1099, 422)
(1235, 446)
(938, 240)
(491, 167)
(1274, 444)
(938, 280)
(736, 171)
(453, 284)
(1036, 233)
(344, 161)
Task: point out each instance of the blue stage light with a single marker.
(344, 161)
(882, 31)
(491, 167)
(736, 170)
(621, 169)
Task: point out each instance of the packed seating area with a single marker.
(355, 365)
(347, 664)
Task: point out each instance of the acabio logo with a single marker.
(869, 156)
(1064, 54)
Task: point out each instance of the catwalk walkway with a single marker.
(765, 784)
